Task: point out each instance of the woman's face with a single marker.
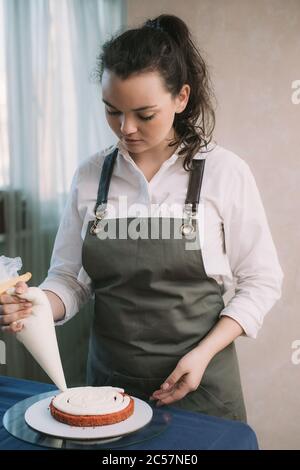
(140, 108)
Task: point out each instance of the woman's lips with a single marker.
(132, 141)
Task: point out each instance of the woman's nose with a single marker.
(127, 126)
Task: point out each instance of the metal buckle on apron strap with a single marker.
(100, 214)
(188, 228)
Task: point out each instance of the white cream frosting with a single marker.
(91, 400)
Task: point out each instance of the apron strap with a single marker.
(106, 173)
(195, 183)
(193, 191)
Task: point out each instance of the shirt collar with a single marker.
(209, 148)
(124, 152)
(199, 155)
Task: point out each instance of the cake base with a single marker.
(93, 420)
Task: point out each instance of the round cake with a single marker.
(92, 406)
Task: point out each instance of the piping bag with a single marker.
(38, 332)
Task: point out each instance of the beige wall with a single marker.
(253, 49)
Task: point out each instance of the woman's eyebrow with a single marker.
(136, 109)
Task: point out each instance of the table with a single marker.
(187, 430)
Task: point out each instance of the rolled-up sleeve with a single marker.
(251, 252)
(66, 260)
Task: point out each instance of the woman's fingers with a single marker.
(10, 299)
(173, 393)
(178, 394)
(11, 296)
(13, 308)
(14, 327)
(21, 287)
(14, 317)
(161, 394)
(8, 309)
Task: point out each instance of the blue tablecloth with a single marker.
(187, 430)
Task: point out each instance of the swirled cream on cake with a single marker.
(92, 406)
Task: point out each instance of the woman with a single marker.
(161, 329)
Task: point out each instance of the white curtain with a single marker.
(51, 118)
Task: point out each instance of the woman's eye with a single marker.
(112, 113)
(147, 118)
(115, 113)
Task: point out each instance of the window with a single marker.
(4, 159)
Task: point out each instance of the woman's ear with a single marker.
(183, 98)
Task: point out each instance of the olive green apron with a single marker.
(154, 303)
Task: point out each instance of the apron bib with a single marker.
(154, 303)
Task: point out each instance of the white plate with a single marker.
(38, 417)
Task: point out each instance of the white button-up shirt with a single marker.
(236, 243)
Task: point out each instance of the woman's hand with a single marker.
(188, 373)
(13, 309)
(185, 378)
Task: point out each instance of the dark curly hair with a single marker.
(164, 44)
